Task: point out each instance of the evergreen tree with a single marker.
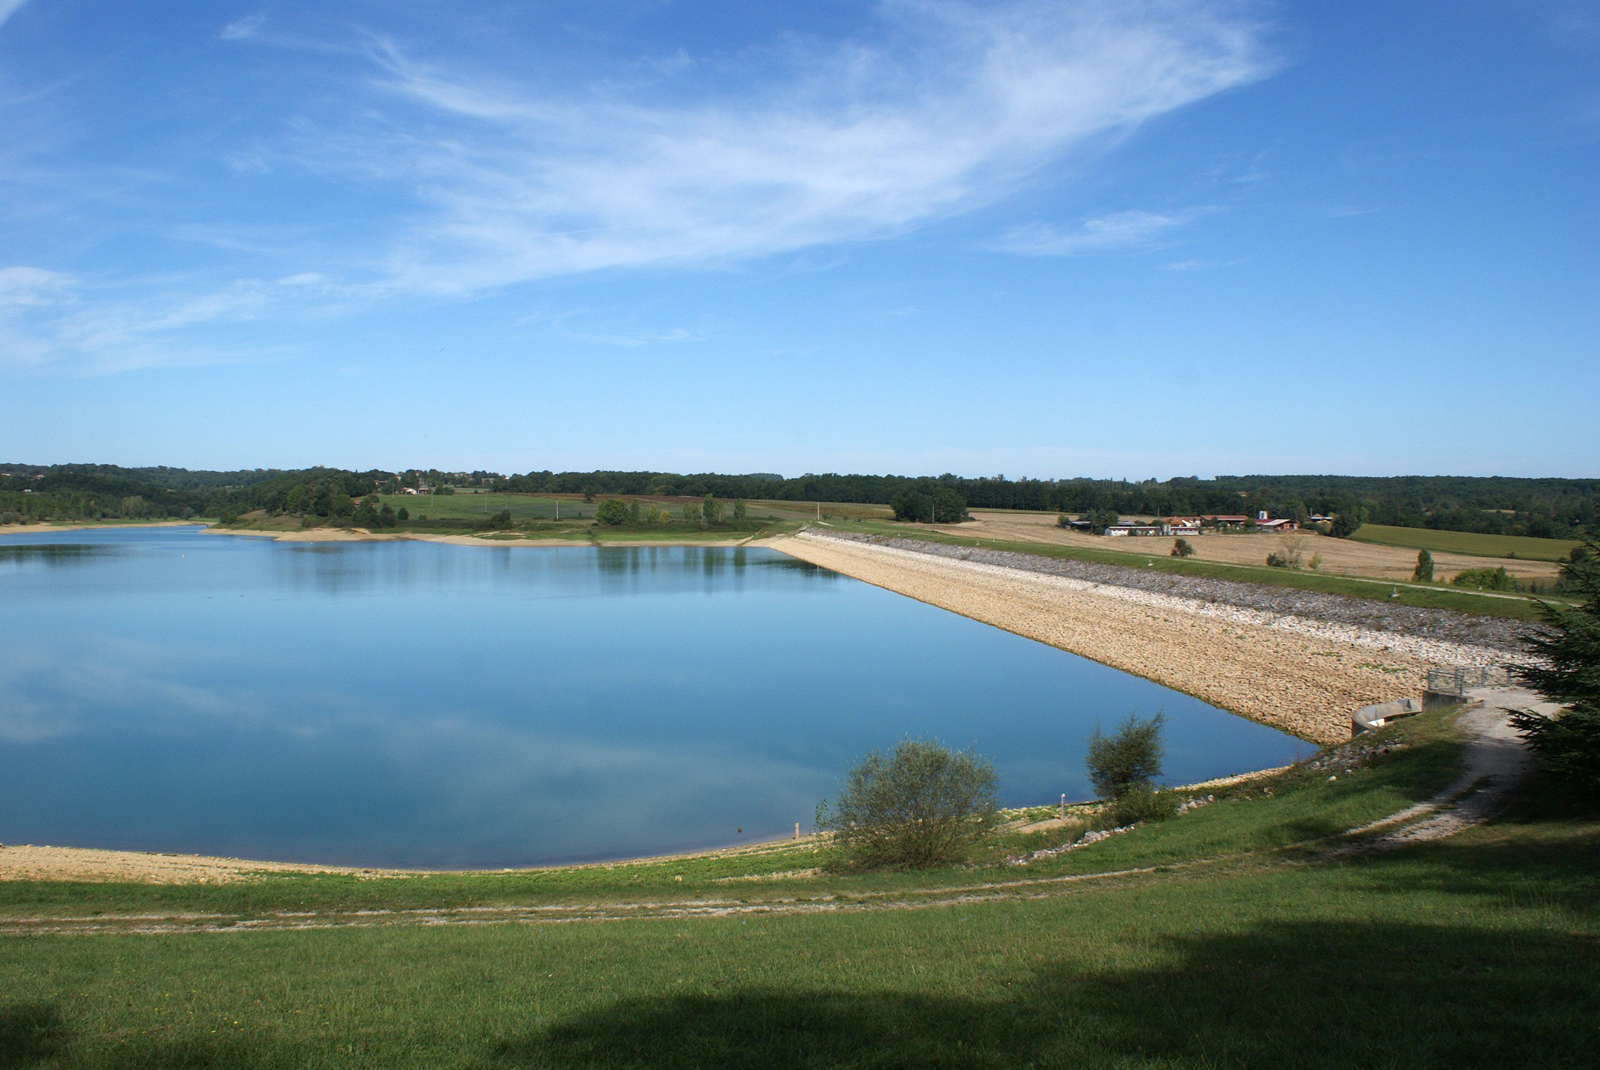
(1567, 746)
(1424, 569)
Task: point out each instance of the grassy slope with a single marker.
(1480, 950)
(1411, 594)
(1466, 542)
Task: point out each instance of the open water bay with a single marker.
(420, 704)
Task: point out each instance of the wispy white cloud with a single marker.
(1197, 265)
(9, 8)
(50, 318)
(957, 106)
(1116, 232)
(939, 108)
(241, 29)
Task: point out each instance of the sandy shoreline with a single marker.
(1306, 684)
(362, 535)
(95, 865)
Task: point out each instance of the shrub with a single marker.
(920, 805)
(1485, 579)
(1567, 746)
(1181, 548)
(1142, 802)
(739, 511)
(1278, 559)
(711, 509)
(1130, 758)
(612, 512)
(1423, 573)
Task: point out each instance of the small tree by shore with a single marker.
(1123, 768)
(922, 804)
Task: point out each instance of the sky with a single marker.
(1113, 238)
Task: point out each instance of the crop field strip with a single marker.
(1520, 547)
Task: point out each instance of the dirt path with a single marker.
(1496, 761)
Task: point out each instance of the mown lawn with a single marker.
(1237, 943)
(1467, 542)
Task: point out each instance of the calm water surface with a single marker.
(421, 704)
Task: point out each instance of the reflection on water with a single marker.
(426, 704)
(49, 553)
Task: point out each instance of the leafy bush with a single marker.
(1129, 759)
(1567, 746)
(1485, 579)
(920, 805)
(1142, 802)
(1182, 548)
(1278, 559)
(613, 512)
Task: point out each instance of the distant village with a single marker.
(1195, 525)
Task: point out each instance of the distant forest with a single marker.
(1547, 508)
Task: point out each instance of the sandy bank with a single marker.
(28, 862)
(1284, 676)
(40, 529)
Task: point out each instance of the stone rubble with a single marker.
(1434, 634)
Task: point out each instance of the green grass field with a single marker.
(1466, 542)
(1412, 594)
(1230, 936)
(478, 506)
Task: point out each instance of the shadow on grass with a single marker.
(1299, 995)
(30, 1033)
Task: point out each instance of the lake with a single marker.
(431, 705)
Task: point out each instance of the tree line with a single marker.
(1548, 508)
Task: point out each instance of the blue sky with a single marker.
(1121, 239)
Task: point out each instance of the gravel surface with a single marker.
(1491, 633)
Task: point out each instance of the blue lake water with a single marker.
(420, 704)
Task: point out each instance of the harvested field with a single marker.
(1339, 556)
(1302, 675)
